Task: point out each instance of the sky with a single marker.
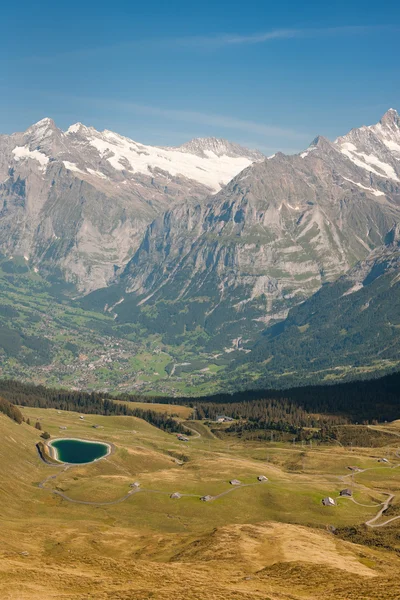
(268, 75)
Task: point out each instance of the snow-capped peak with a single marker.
(391, 115)
(388, 130)
(46, 122)
(77, 127)
(375, 148)
(109, 156)
(42, 129)
(211, 164)
(218, 147)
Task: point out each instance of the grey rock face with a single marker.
(219, 147)
(79, 201)
(277, 231)
(349, 326)
(384, 260)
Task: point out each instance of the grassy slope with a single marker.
(331, 336)
(146, 543)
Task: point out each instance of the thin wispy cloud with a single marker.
(213, 42)
(193, 117)
(215, 120)
(222, 40)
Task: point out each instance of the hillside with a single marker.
(264, 540)
(349, 327)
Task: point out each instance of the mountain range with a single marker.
(268, 240)
(215, 249)
(77, 202)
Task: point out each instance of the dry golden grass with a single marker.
(266, 541)
(242, 562)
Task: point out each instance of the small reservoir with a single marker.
(77, 452)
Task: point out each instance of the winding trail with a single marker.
(385, 506)
(65, 497)
(42, 484)
(197, 434)
(370, 523)
(235, 487)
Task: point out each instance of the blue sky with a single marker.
(270, 75)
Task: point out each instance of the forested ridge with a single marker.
(293, 410)
(8, 409)
(356, 401)
(22, 394)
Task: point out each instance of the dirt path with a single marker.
(385, 506)
(42, 484)
(235, 487)
(197, 434)
(384, 429)
(370, 523)
(65, 497)
(385, 523)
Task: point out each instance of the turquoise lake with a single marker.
(79, 451)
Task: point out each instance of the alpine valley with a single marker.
(206, 266)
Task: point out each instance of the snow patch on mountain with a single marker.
(73, 167)
(23, 152)
(388, 130)
(369, 162)
(364, 187)
(212, 169)
(307, 152)
(97, 174)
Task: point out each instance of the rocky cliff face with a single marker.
(349, 327)
(275, 233)
(78, 202)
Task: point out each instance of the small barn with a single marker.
(347, 493)
(206, 498)
(328, 501)
(383, 460)
(234, 482)
(176, 496)
(136, 484)
(262, 478)
(223, 419)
